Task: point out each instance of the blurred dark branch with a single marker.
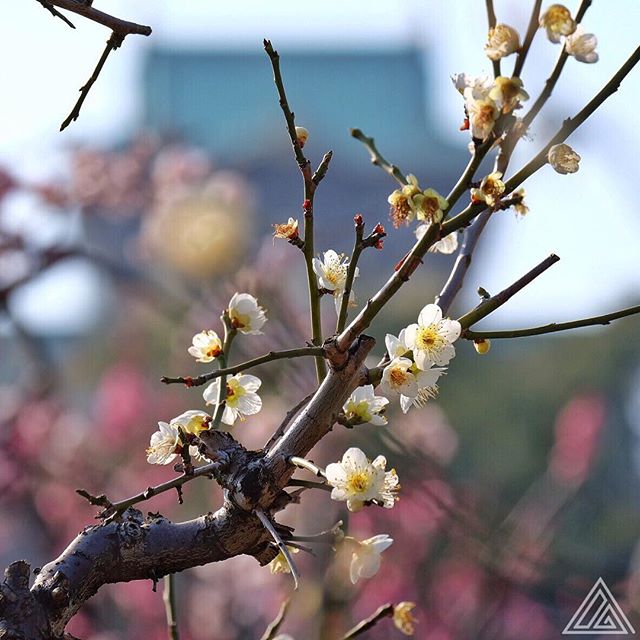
(272, 629)
(243, 366)
(169, 599)
(490, 304)
(553, 327)
(385, 611)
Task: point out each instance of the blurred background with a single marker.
(127, 233)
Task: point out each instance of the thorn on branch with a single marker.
(95, 501)
(55, 13)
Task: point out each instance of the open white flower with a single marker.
(364, 405)
(448, 244)
(582, 46)
(490, 190)
(192, 421)
(503, 40)
(242, 399)
(432, 337)
(396, 346)
(332, 275)
(246, 315)
(478, 87)
(403, 618)
(483, 114)
(365, 560)
(206, 346)
(402, 201)
(427, 388)
(357, 481)
(508, 93)
(164, 444)
(397, 377)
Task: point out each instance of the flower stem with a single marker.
(528, 39)
(229, 335)
(351, 272)
(169, 598)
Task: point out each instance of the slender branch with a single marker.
(534, 23)
(490, 304)
(114, 42)
(115, 24)
(552, 80)
(244, 366)
(229, 335)
(55, 13)
(568, 127)
(377, 158)
(463, 262)
(385, 611)
(112, 509)
(308, 484)
(310, 184)
(169, 599)
(268, 525)
(553, 327)
(491, 19)
(272, 629)
(351, 272)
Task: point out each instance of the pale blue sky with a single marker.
(591, 219)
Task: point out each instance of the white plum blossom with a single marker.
(403, 618)
(164, 444)
(490, 190)
(246, 315)
(415, 386)
(483, 114)
(479, 87)
(357, 481)
(432, 337)
(279, 564)
(502, 41)
(365, 560)
(446, 246)
(427, 388)
(582, 46)
(557, 22)
(331, 272)
(242, 399)
(364, 406)
(396, 346)
(508, 93)
(563, 158)
(206, 346)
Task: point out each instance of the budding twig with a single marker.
(272, 629)
(244, 366)
(490, 304)
(310, 184)
(528, 39)
(553, 327)
(377, 158)
(491, 19)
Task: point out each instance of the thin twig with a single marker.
(385, 611)
(491, 19)
(169, 598)
(490, 304)
(281, 545)
(303, 463)
(244, 366)
(351, 272)
(534, 24)
(115, 40)
(553, 327)
(308, 484)
(310, 184)
(277, 434)
(55, 13)
(229, 335)
(272, 629)
(377, 158)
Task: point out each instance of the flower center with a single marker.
(359, 482)
(428, 338)
(398, 376)
(240, 320)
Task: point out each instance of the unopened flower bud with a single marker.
(302, 135)
(563, 158)
(358, 220)
(503, 41)
(558, 22)
(582, 46)
(482, 346)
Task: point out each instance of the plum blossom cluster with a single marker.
(559, 24)
(232, 398)
(417, 357)
(410, 203)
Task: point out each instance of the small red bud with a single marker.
(358, 220)
(306, 205)
(378, 244)
(465, 125)
(188, 381)
(379, 229)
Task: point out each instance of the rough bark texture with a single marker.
(134, 547)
